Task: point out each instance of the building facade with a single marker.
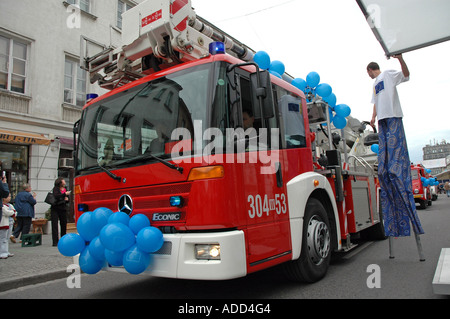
(435, 157)
(436, 150)
(43, 88)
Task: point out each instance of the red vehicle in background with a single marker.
(420, 185)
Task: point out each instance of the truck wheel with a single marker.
(423, 204)
(316, 246)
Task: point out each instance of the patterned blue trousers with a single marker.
(394, 173)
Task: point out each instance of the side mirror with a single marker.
(262, 93)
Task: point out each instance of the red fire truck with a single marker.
(421, 189)
(200, 142)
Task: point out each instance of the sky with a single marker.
(332, 38)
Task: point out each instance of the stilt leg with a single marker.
(391, 248)
(419, 247)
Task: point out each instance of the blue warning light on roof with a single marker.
(216, 48)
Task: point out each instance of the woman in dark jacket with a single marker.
(59, 209)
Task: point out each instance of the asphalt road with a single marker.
(403, 277)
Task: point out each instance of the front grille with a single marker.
(166, 249)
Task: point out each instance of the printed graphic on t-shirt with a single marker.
(293, 107)
(379, 87)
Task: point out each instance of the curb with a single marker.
(15, 283)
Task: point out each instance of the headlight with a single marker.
(416, 191)
(207, 251)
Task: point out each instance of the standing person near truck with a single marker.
(397, 199)
(447, 189)
(24, 204)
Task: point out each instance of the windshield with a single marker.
(414, 174)
(141, 120)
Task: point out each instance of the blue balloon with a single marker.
(117, 237)
(375, 148)
(331, 100)
(342, 110)
(262, 59)
(71, 244)
(137, 222)
(299, 84)
(86, 227)
(114, 258)
(96, 249)
(423, 179)
(324, 90)
(135, 260)
(150, 239)
(100, 217)
(119, 217)
(275, 73)
(313, 79)
(339, 122)
(278, 67)
(89, 264)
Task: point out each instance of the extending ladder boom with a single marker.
(157, 35)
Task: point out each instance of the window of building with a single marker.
(122, 6)
(13, 64)
(74, 83)
(84, 5)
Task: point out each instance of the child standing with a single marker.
(8, 211)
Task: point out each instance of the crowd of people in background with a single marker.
(16, 220)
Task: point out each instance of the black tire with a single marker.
(312, 265)
(423, 204)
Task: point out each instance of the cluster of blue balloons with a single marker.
(114, 238)
(276, 68)
(432, 181)
(311, 87)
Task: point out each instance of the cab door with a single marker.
(268, 233)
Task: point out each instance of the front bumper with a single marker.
(176, 259)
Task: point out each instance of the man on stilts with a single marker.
(394, 172)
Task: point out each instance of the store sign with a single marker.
(23, 138)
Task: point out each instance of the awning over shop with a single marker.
(23, 138)
(445, 175)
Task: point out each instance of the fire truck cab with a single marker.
(218, 154)
(421, 189)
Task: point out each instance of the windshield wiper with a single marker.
(110, 174)
(107, 171)
(147, 156)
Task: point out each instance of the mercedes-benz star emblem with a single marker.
(126, 204)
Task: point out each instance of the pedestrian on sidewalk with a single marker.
(447, 188)
(4, 190)
(7, 212)
(24, 203)
(59, 209)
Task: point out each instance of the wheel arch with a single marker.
(299, 190)
(322, 196)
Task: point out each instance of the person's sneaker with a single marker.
(10, 255)
(13, 239)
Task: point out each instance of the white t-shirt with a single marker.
(385, 96)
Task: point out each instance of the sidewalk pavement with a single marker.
(32, 265)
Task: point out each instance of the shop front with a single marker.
(15, 156)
